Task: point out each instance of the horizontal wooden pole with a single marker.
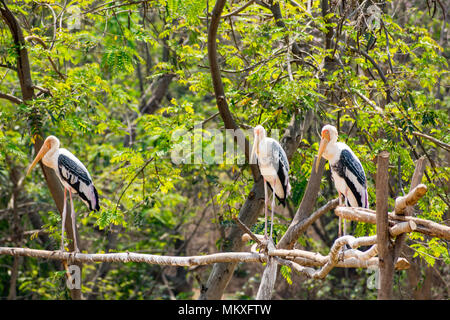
(401, 203)
(424, 226)
(125, 257)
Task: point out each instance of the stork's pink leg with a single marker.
(344, 227)
(340, 219)
(75, 244)
(266, 200)
(344, 221)
(63, 217)
(273, 207)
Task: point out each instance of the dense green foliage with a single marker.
(103, 63)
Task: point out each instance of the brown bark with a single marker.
(219, 90)
(296, 227)
(415, 181)
(385, 249)
(222, 273)
(26, 85)
(427, 227)
(16, 227)
(414, 273)
(160, 89)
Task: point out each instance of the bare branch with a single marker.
(42, 43)
(219, 90)
(380, 72)
(439, 143)
(385, 248)
(26, 85)
(8, 66)
(234, 12)
(135, 257)
(424, 226)
(401, 203)
(11, 98)
(247, 231)
(402, 227)
(269, 275)
(300, 222)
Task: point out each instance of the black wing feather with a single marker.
(75, 175)
(348, 161)
(283, 168)
(355, 167)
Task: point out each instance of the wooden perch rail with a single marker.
(300, 260)
(401, 203)
(424, 226)
(125, 257)
(395, 218)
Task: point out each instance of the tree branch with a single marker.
(439, 143)
(401, 203)
(300, 221)
(11, 98)
(8, 66)
(424, 226)
(219, 90)
(27, 89)
(380, 72)
(42, 43)
(248, 214)
(385, 247)
(234, 12)
(125, 257)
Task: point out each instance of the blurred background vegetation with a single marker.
(115, 80)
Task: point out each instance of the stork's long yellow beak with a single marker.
(254, 149)
(41, 153)
(323, 144)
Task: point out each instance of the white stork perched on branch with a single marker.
(274, 167)
(73, 176)
(346, 169)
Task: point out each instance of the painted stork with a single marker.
(73, 175)
(346, 169)
(274, 167)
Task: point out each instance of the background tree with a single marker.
(115, 80)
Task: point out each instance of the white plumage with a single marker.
(274, 167)
(73, 176)
(346, 169)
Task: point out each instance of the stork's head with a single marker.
(329, 136)
(259, 133)
(50, 143)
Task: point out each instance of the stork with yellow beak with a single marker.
(73, 175)
(274, 167)
(346, 170)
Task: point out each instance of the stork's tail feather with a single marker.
(366, 200)
(96, 205)
(288, 189)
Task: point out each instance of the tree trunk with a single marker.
(385, 248)
(26, 85)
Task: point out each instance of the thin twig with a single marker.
(246, 230)
(132, 180)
